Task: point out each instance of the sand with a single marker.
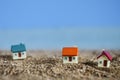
(47, 65)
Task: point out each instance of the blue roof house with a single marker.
(18, 51)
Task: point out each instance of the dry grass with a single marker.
(47, 65)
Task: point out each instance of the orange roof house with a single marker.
(70, 54)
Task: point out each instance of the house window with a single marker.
(65, 58)
(73, 58)
(15, 54)
(100, 62)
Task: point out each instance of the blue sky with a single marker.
(52, 24)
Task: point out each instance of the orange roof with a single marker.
(70, 51)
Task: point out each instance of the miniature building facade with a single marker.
(70, 54)
(104, 59)
(18, 51)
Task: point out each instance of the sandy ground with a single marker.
(47, 65)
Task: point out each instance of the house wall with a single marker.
(23, 55)
(108, 65)
(66, 59)
(101, 61)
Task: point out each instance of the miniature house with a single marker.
(18, 51)
(70, 54)
(104, 59)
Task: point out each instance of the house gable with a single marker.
(103, 57)
(106, 54)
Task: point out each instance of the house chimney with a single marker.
(103, 49)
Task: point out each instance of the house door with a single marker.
(70, 58)
(105, 62)
(19, 54)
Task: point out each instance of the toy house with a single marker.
(104, 59)
(70, 54)
(18, 51)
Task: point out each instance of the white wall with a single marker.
(108, 65)
(66, 59)
(23, 55)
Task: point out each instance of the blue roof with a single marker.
(18, 48)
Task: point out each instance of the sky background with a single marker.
(53, 24)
